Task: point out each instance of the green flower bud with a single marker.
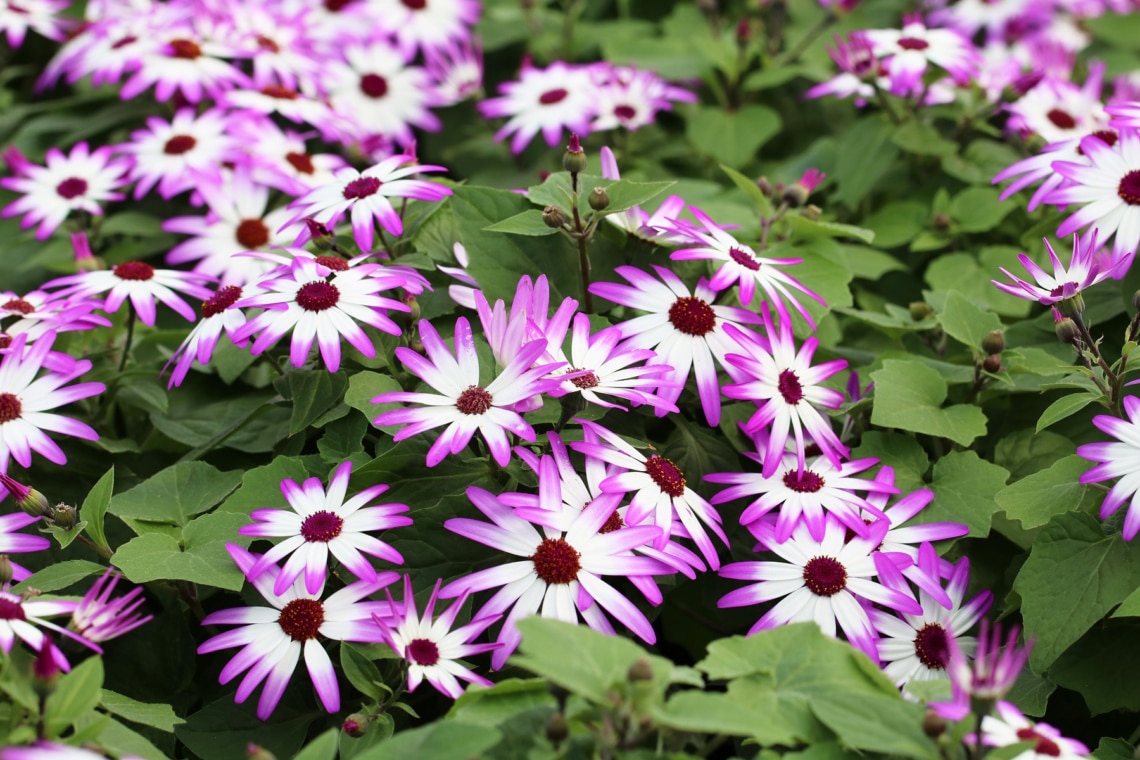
(994, 343)
(920, 310)
(1067, 331)
(992, 363)
(355, 724)
(934, 725)
(557, 729)
(641, 670)
(599, 199)
(1073, 306)
(63, 516)
(553, 217)
(574, 160)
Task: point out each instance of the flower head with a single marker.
(1084, 271)
(141, 283)
(1010, 727)
(100, 618)
(561, 96)
(991, 675)
(1119, 459)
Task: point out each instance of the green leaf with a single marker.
(922, 139)
(222, 729)
(443, 740)
(202, 558)
(909, 396)
(94, 509)
(324, 747)
(809, 228)
(119, 740)
(1112, 748)
(361, 671)
(970, 275)
(1095, 572)
(251, 423)
(1031, 693)
(528, 222)
(261, 486)
(899, 451)
(176, 494)
(876, 723)
(965, 322)
(343, 439)
(746, 710)
(493, 705)
(313, 392)
(625, 194)
(732, 137)
(1025, 451)
(365, 386)
(75, 694)
(1036, 499)
(749, 188)
(158, 716)
(1098, 666)
(964, 488)
(1066, 406)
(61, 575)
(865, 153)
(978, 209)
(897, 223)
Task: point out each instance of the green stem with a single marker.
(885, 104)
(812, 35)
(104, 553)
(130, 339)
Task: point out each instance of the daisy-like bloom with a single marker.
(37, 313)
(1039, 168)
(661, 496)
(12, 542)
(100, 618)
(318, 523)
(994, 16)
(79, 181)
(559, 575)
(529, 319)
(273, 638)
(1125, 114)
(181, 154)
(430, 646)
(1083, 272)
(22, 618)
(141, 283)
(456, 68)
(365, 195)
(277, 42)
(1010, 726)
(820, 488)
(1057, 109)
(786, 387)
(561, 96)
(378, 93)
(821, 580)
(662, 226)
(1118, 459)
(913, 647)
(989, 677)
(218, 314)
(1109, 186)
(682, 326)
(44, 750)
(425, 24)
(42, 16)
(463, 294)
(276, 98)
(237, 222)
(460, 402)
(25, 401)
(631, 98)
(324, 304)
(743, 266)
(855, 57)
(280, 159)
(915, 46)
(187, 62)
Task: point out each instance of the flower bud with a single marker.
(553, 217)
(599, 199)
(257, 752)
(409, 299)
(765, 186)
(574, 160)
(934, 725)
(795, 195)
(641, 670)
(743, 32)
(1067, 331)
(557, 729)
(28, 499)
(1073, 306)
(321, 236)
(920, 310)
(6, 571)
(941, 221)
(63, 516)
(994, 343)
(355, 724)
(812, 212)
(992, 363)
(560, 694)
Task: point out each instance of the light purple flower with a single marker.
(181, 154)
(100, 618)
(22, 618)
(913, 48)
(561, 96)
(1119, 459)
(12, 542)
(992, 674)
(1011, 727)
(218, 314)
(141, 283)
(1084, 271)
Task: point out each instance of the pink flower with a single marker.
(561, 96)
(141, 283)
(1083, 272)
(992, 674)
(100, 618)
(1118, 459)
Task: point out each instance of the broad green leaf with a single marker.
(493, 705)
(1064, 407)
(865, 155)
(120, 740)
(365, 386)
(964, 488)
(870, 263)
(749, 188)
(964, 273)
(261, 486)
(978, 209)
(876, 723)
(746, 710)
(1034, 500)
(158, 716)
(922, 139)
(898, 451)
(176, 494)
(1100, 665)
(312, 393)
(909, 396)
(623, 194)
(361, 671)
(1113, 748)
(247, 423)
(528, 222)
(324, 747)
(897, 223)
(75, 694)
(1074, 575)
(808, 228)
(343, 439)
(1025, 451)
(222, 730)
(201, 559)
(442, 740)
(1031, 693)
(732, 137)
(94, 509)
(61, 575)
(965, 322)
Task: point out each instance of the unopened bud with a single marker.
(641, 670)
(992, 363)
(355, 724)
(920, 310)
(6, 571)
(1136, 300)
(994, 343)
(257, 752)
(941, 221)
(553, 217)
(28, 499)
(1067, 331)
(45, 669)
(795, 195)
(743, 32)
(417, 345)
(574, 159)
(410, 301)
(543, 175)
(599, 199)
(933, 724)
(812, 212)
(557, 729)
(765, 186)
(1073, 306)
(63, 516)
(322, 237)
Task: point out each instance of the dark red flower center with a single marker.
(317, 296)
(1129, 188)
(692, 316)
(20, 305)
(913, 43)
(10, 408)
(474, 400)
(415, 5)
(335, 263)
(789, 386)
(930, 646)
(624, 112)
(265, 43)
(321, 527)
(825, 576)
(72, 187)
(5, 340)
(133, 270)
(803, 482)
(252, 233)
(1061, 119)
(550, 97)
(337, 5)
(124, 42)
(10, 610)
(1106, 136)
(612, 523)
(374, 85)
(179, 144)
(556, 561)
(1057, 291)
(187, 49)
(301, 619)
(588, 380)
(1045, 745)
(744, 259)
(666, 475)
(302, 162)
(362, 187)
(220, 301)
(423, 652)
(278, 92)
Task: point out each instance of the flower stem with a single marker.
(804, 42)
(130, 339)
